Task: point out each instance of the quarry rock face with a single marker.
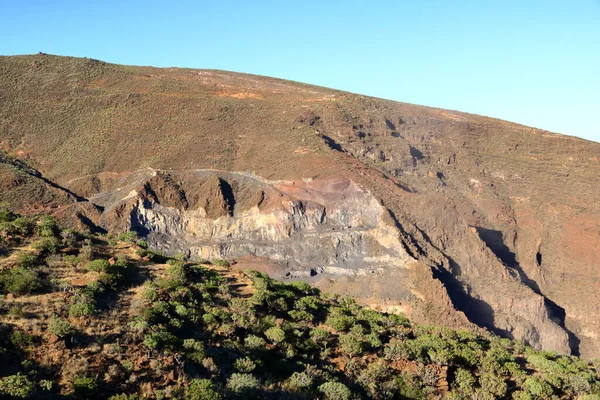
(452, 218)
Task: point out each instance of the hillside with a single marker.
(85, 316)
(451, 218)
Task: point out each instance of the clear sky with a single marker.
(529, 61)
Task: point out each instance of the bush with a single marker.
(300, 381)
(20, 281)
(351, 344)
(177, 271)
(124, 396)
(128, 237)
(242, 383)
(335, 391)
(16, 311)
(396, 349)
(97, 265)
(340, 322)
(60, 327)
(83, 308)
(46, 245)
(142, 252)
(84, 386)
(86, 253)
(26, 259)
(275, 334)
(538, 388)
(24, 225)
(71, 260)
(221, 263)
(244, 364)
(464, 381)
(319, 335)
(16, 386)
(194, 350)
(142, 244)
(21, 339)
(47, 227)
(493, 384)
(253, 342)
(201, 389)
(69, 237)
(161, 340)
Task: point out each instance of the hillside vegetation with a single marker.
(85, 316)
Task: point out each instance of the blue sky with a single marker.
(532, 62)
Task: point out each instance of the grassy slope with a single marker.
(91, 317)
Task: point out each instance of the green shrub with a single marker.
(493, 384)
(128, 237)
(69, 237)
(221, 263)
(297, 315)
(308, 303)
(396, 349)
(340, 322)
(142, 244)
(17, 312)
(538, 388)
(335, 391)
(6, 214)
(201, 389)
(46, 384)
(24, 225)
(300, 381)
(244, 364)
(83, 308)
(194, 350)
(71, 260)
(319, 335)
(99, 265)
(60, 327)
(21, 339)
(46, 245)
(94, 287)
(47, 227)
(26, 259)
(351, 344)
(161, 340)
(178, 272)
(20, 281)
(84, 386)
(242, 383)
(86, 253)
(275, 335)
(124, 396)
(17, 386)
(253, 342)
(464, 381)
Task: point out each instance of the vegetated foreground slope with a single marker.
(446, 216)
(85, 316)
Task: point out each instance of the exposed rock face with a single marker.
(308, 228)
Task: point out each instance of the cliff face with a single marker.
(453, 218)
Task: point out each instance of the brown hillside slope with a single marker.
(448, 216)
